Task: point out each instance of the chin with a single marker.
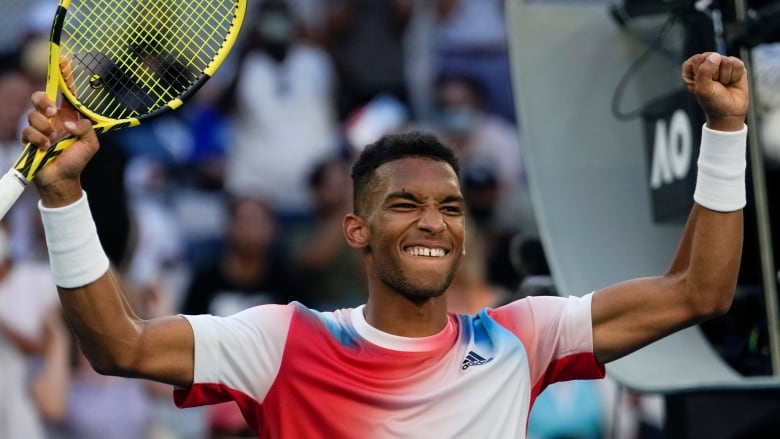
(426, 290)
(426, 293)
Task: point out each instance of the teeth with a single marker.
(425, 251)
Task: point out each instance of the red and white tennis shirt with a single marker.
(300, 373)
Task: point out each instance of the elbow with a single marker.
(711, 303)
(724, 306)
(106, 366)
(703, 297)
(115, 355)
(111, 364)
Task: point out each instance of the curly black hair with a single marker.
(393, 147)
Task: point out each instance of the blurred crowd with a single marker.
(237, 200)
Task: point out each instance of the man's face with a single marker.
(416, 226)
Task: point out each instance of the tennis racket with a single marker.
(121, 63)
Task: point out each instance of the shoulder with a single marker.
(542, 310)
(261, 319)
(293, 313)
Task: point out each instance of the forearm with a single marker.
(708, 260)
(103, 322)
(117, 342)
(710, 250)
(93, 303)
(700, 281)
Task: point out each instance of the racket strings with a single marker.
(142, 55)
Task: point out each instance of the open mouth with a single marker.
(426, 251)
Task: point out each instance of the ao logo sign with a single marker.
(672, 150)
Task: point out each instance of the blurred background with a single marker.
(237, 198)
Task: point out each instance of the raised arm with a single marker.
(113, 338)
(701, 280)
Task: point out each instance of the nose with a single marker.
(432, 220)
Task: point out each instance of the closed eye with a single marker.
(453, 210)
(403, 206)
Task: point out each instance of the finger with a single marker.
(689, 68)
(40, 122)
(725, 71)
(42, 103)
(34, 137)
(66, 70)
(707, 72)
(738, 70)
(81, 129)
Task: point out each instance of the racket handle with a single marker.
(11, 186)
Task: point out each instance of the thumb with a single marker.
(708, 72)
(82, 129)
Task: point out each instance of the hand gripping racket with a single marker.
(123, 62)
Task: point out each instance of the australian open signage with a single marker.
(672, 129)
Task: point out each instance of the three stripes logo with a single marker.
(474, 359)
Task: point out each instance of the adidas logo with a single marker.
(474, 359)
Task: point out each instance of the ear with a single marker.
(356, 231)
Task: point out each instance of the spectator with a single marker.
(471, 290)
(282, 101)
(103, 406)
(471, 39)
(27, 296)
(157, 260)
(330, 271)
(51, 383)
(248, 270)
(15, 83)
(489, 148)
(15, 88)
(365, 38)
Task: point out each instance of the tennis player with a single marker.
(400, 366)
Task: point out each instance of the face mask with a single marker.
(458, 120)
(276, 28)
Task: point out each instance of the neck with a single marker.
(400, 315)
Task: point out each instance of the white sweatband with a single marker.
(720, 181)
(75, 254)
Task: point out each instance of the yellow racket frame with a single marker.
(32, 159)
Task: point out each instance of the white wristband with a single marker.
(720, 181)
(75, 254)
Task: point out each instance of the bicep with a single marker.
(632, 314)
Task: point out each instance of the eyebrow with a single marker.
(411, 197)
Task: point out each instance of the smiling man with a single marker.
(401, 366)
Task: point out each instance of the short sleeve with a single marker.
(240, 353)
(557, 333)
